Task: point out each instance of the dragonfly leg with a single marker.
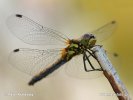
(91, 54)
(85, 57)
(99, 69)
(99, 45)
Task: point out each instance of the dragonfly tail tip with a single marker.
(30, 84)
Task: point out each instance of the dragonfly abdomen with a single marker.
(48, 71)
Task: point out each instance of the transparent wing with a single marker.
(33, 61)
(115, 59)
(105, 31)
(32, 33)
(75, 68)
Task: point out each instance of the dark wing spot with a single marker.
(115, 55)
(18, 15)
(16, 50)
(113, 22)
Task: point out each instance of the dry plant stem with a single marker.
(111, 74)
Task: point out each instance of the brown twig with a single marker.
(111, 74)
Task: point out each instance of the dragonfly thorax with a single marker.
(77, 47)
(73, 49)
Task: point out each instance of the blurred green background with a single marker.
(73, 17)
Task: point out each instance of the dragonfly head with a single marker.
(88, 40)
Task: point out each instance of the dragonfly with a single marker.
(42, 63)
